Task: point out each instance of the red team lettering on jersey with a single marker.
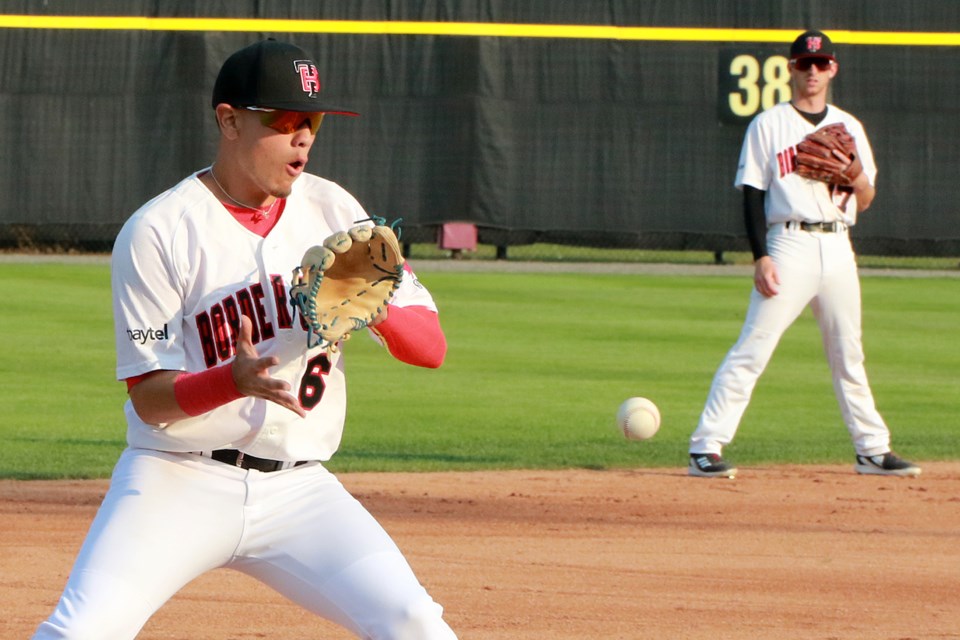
(219, 326)
(787, 160)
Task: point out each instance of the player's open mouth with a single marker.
(296, 167)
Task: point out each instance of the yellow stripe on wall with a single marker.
(487, 29)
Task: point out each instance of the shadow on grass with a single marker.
(402, 456)
(33, 458)
(20, 474)
(72, 442)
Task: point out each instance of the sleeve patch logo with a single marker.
(142, 336)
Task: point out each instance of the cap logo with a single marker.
(814, 43)
(309, 77)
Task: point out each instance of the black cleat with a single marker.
(886, 464)
(710, 465)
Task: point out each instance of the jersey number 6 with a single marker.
(312, 384)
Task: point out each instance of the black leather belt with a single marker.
(243, 460)
(824, 227)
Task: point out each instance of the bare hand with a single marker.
(251, 375)
(766, 277)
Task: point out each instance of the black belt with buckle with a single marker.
(823, 227)
(243, 460)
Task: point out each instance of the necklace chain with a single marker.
(263, 211)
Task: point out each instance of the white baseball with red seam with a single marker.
(638, 418)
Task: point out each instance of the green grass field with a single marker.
(536, 367)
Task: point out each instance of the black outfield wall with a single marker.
(528, 124)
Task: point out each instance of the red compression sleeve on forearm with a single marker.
(198, 393)
(413, 335)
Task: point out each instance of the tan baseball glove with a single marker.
(829, 155)
(342, 285)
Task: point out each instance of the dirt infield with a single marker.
(782, 552)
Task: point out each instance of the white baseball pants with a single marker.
(168, 518)
(818, 269)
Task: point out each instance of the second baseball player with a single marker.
(799, 234)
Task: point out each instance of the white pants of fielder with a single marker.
(168, 518)
(818, 269)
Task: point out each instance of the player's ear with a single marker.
(227, 120)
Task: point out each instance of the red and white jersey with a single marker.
(183, 272)
(768, 162)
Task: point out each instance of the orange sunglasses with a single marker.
(289, 121)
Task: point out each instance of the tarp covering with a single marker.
(601, 142)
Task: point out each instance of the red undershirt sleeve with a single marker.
(413, 335)
(198, 393)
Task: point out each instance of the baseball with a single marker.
(638, 418)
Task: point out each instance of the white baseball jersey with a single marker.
(768, 162)
(184, 271)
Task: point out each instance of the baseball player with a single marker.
(798, 230)
(230, 415)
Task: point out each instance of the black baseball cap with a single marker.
(812, 44)
(274, 75)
